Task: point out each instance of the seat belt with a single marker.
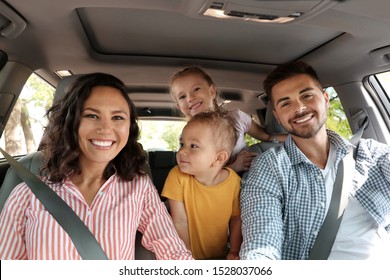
(327, 234)
(85, 242)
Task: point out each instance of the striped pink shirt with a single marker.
(28, 231)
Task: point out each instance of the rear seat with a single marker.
(161, 162)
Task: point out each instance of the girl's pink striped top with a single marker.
(28, 231)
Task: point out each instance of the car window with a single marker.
(24, 128)
(379, 87)
(337, 120)
(160, 135)
(384, 79)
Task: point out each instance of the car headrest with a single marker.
(162, 159)
(272, 125)
(63, 86)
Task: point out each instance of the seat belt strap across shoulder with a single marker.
(84, 241)
(327, 234)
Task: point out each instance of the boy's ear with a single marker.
(221, 158)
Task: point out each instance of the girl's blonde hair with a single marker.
(195, 70)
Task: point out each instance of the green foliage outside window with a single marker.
(337, 121)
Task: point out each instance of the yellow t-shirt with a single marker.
(209, 209)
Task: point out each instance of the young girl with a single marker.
(194, 91)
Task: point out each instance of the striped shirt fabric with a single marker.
(283, 198)
(28, 231)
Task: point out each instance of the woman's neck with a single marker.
(89, 180)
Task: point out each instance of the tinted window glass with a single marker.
(384, 79)
(24, 128)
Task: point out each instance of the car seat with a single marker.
(271, 126)
(161, 162)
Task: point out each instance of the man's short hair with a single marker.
(286, 71)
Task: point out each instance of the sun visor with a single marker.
(11, 23)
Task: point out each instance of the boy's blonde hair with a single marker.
(222, 126)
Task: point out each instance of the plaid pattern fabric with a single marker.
(283, 198)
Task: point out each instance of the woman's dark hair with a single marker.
(60, 142)
(286, 71)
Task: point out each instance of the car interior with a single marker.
(237, 42)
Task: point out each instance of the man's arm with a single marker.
(261, 210)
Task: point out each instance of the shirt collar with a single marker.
(296, 156)
(110, 181)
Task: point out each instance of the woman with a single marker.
(92, 161)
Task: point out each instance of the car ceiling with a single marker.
(145, 42)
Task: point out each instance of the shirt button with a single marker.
(89, 213)
(100, 193)
(322, 204)
(315, 233)
(319, 178)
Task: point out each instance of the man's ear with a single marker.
(326, 96)
(276, 117)
(221, 158)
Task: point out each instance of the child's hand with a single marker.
(243, 161)
(233, 256)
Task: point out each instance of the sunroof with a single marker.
(137, 32)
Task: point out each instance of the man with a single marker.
(287, 194)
